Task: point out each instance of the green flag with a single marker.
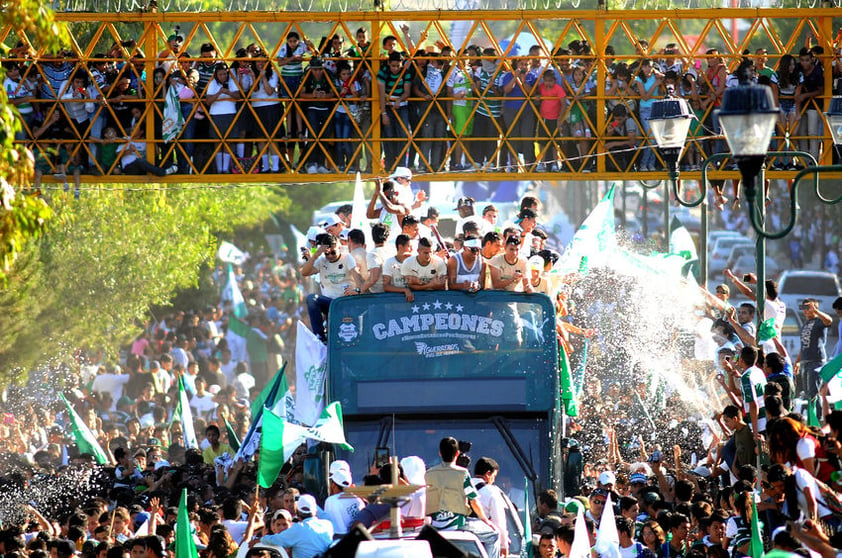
(183, 413)
(755, 549)
(269, 395)
(278, 441)
(812, 415)
(766, 331)
(185, 546)
(526, 547)
(831, 369)
(233, 440)
(568, 397)
(85, 439)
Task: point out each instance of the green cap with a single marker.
(574, 506)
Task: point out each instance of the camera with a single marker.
(746, 277)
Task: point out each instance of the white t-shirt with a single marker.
(753, 385)
(494, 506)
(342, 512)
(375, 259)
(204, 404)
(508, 271)
(243, 383)
(260, 93)
(224, 104)
(411, 267)
(228, 370)
(805, 449)
(361, 260)
(803, 480)
(775, 309)
(335, 276)
(392, 268)
(236, 529)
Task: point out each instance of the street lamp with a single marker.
(747, 116)
(670, 124)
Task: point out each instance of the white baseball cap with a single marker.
(307, 505)
(606, 478)
(402, 172)
(342, 478)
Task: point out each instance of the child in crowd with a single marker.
(553, 103)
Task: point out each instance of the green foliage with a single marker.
(22, 215)
(110, 257)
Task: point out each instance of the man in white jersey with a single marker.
(752, 387)
(393, 279)
(426, 271)
(339, 277)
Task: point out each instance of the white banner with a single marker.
(310, 371)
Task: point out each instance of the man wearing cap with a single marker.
(606, 480)
(168, 58)
(596, 503)
(340, 509)
(332, 224)
(308, 537)
(339, 277)
(465, 208)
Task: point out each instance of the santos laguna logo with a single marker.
(425, 319)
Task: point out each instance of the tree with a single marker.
(23, 215)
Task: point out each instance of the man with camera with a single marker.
(813, 354)
(339, 277)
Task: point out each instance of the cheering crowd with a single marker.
(311, 108)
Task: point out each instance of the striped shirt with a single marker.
(396, 84)
(492, 104)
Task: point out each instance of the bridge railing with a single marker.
(147, 104)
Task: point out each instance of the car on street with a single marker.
(722, 249)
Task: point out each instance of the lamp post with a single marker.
(748, 115)
(670, 124)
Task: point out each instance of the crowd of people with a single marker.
(313, 108)
(771, 446)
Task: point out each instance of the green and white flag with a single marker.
(526, 546)
(755, 548)
(329, 428)
(85, 439)
(185, 546)
(183, 413)
(277, 443)
(173, 120)
(230, 254)
(231, 293)
(595, 241)
(310, 371)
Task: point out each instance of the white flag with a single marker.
(230, 254)
(358, 211)
(607, 539)
(310, 371)
(581, 547)
(301, 243)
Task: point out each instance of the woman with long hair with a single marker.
(790, 442)
(652, 536)
(222, 96)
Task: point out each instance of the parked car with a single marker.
(797, 284)
(722, 249)
(748, 264)
(738, 252)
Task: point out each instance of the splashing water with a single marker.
(645, 318)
